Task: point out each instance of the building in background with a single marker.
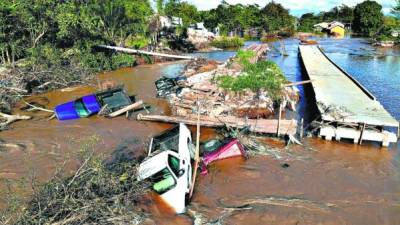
(170, 22)
(334, 28)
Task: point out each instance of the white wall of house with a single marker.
(170, 22)
(200, 31)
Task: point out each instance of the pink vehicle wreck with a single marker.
(232, 149)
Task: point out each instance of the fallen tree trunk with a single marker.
(12, 118)
(265, 126)
(134, 51)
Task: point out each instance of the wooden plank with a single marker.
(265, 126)
(298, 83)
(362, 134)
(134, 106)
(197, 154)
(278, 133)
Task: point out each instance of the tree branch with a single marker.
(12, 118)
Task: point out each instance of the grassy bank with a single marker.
(228, 42)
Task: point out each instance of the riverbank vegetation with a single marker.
(251, 20)
(228, 42)
(365, 19)
(255, 21)
(50, 44)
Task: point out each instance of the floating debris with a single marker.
(293, 202)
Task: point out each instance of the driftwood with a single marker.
(36, 108)
(197, 154)
(12, 118)
(282, 201)
(134, 51)
(265, 126)
(134, 106)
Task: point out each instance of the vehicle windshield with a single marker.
(81, 109)
(167, 141)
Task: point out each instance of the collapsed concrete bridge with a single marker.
(348, 110)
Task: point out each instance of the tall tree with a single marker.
(38, 16)
(160, 7)
(116, 20)
(188, 12)
(368, 18)
(307, 22)
(12, 35)
(396, 9)
(276, 17)
(346, 14)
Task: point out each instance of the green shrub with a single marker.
(45, 55)
(122, 60)
(244, 56)
(385, 38)
(138, 42)
(228, 42)
(264, 75)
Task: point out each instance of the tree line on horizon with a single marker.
(64, 32)
(366, 18)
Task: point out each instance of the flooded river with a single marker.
(318, 183)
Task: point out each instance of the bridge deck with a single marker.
(339, 97)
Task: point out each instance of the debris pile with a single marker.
(216, 101)
(200, 65)
(19, 81)
(198, 88)
(98, 193)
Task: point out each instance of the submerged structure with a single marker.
(348, 110)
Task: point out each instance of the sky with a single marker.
(297, 7)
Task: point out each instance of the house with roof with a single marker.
(320, 27)
(334, 28)
(337, 29)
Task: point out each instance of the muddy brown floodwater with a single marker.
(318, 183)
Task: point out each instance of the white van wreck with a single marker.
(168, 166)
